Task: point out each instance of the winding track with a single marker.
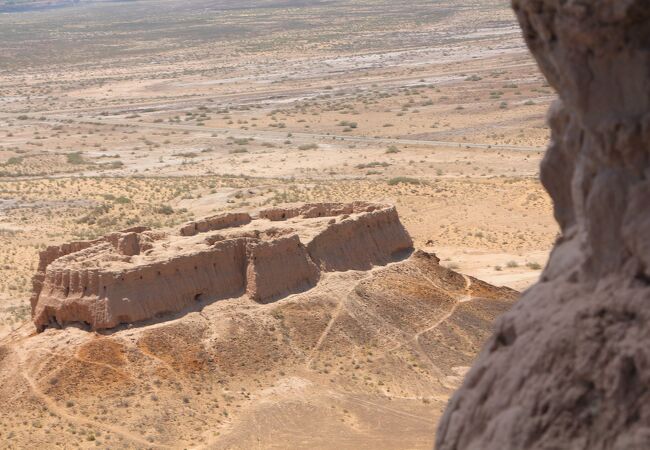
(50, 404)
(416, 337)
(282, 136)
(465, 298)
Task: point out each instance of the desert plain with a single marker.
(154, 113)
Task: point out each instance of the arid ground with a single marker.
(115, 114)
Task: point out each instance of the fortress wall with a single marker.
(358, 243)
(218, 222)
(117, 280)
(278, 268)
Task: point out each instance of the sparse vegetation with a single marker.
(403, 180)
(155, 114)
(75, 158)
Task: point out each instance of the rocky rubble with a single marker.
(140, 274)
(568, 367)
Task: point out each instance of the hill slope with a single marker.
(365, 359)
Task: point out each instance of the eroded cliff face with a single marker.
(569, 365)
(139, 274)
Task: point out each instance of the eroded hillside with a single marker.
(363, 353)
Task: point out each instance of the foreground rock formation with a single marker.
(569, 365)
(139, 274)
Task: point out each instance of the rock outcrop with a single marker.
(569, 365)
(139, 274)
(385, 347)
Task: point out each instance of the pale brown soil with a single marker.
(438, 109)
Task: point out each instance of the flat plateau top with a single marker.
(150, 247)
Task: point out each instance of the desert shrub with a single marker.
(403, 180)
(75, 158)
(116, 165)
(372, 164)
(164, 209)
(187, 155)
(14, 160)
(345, 123)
